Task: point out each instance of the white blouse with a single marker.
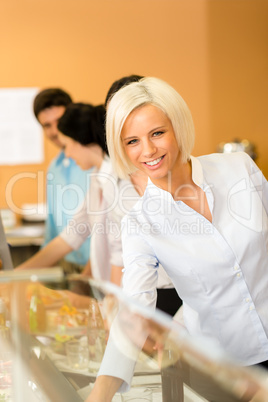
(219, 269)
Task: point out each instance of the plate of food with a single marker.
(50, 312)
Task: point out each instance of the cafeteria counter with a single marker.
(53, 341)
(24, 241)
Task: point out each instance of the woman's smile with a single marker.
(155, 163)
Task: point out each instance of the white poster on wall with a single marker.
(21, 138)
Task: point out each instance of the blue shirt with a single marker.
(67, 185)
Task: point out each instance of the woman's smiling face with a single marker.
(150, 143)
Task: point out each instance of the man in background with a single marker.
(67, 184)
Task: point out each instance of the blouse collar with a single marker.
(197, 176)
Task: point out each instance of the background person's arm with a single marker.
(47, 256)
(116, 275)
(87, 270)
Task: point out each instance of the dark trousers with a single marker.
(168, 301)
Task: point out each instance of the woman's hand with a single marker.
(104, 389)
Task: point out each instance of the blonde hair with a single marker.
(147, 91)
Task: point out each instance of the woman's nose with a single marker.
(53, 130)
(149, 149)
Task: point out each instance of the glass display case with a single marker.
(54, 332)
(26, 372)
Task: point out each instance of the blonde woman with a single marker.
(204, 219)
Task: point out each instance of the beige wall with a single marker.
(213, 52)
(238, 58)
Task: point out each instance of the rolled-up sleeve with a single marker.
(78, 227)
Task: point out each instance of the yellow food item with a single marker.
(68, 310)
(48, 296)
(63, 338)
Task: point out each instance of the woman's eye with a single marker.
(157, 133)
(131, 142)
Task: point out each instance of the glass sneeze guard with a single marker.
(54, 331)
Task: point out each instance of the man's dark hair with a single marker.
(50, 97)
(121, 83)
(85, 124)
